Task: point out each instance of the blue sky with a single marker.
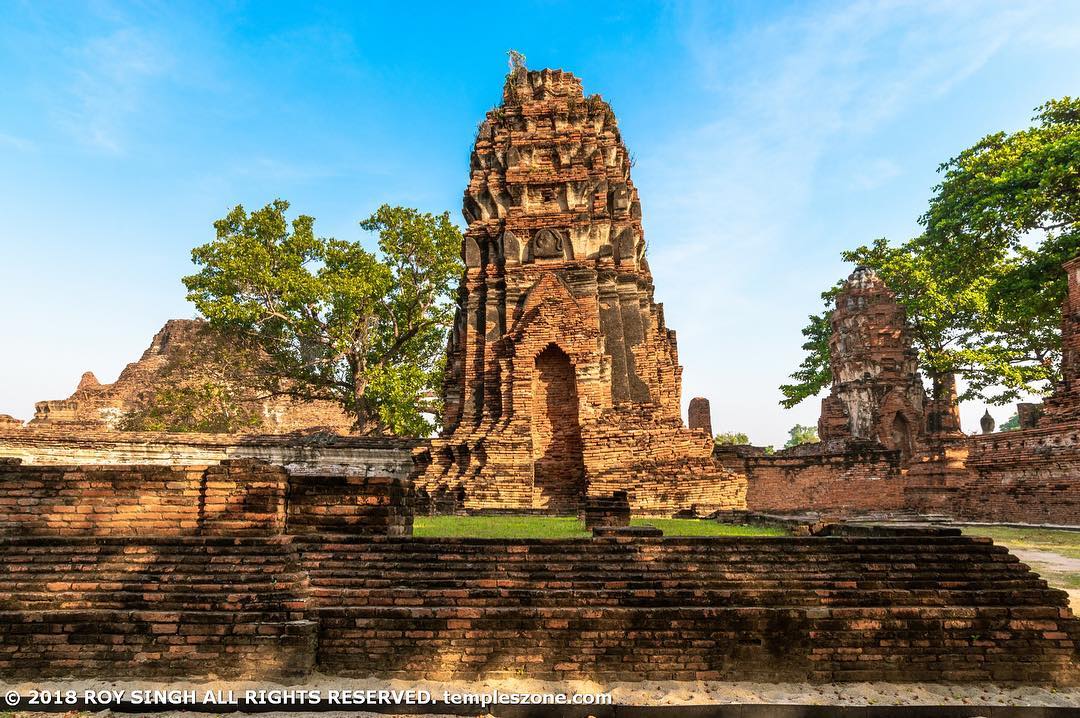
(767, 137)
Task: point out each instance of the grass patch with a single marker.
(566, 527)
(1066, 543)
(499, 527)
(697, 527)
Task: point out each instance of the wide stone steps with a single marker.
(750, 597)
(922, 571)
(173, 574)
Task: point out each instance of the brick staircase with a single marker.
(904, 607)
(151, 606)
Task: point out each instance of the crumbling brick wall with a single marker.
(813, 609)
(853, 480)
(350, 504)
(1028, 476)
(845, 608)
(152, 607)
(241, 497)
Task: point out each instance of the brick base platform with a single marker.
(909, 607)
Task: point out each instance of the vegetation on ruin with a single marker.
(731, 438)
(982, 285)
(800, 434)
(1011, 424)
(567, 527)
(210, 386)
(336, 321)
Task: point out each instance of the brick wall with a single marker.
(865, 479)
(819, 609)
(168, 607)
(350, 504)
(241, 497)
(319, 454)
(1030, 476)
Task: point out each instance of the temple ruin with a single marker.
(562, 378)
(285, 557)
(180, 354)
(877, 394)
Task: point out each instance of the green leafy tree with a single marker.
(982, 285)
(334, 320)
(814, 374)
(800, 434)
(1012, 201)
(1012, 424)
(731, 438)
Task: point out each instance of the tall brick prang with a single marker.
(562, 377)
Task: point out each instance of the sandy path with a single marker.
(1049, 559)
(645, 693)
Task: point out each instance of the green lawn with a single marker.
(567, 527)
(1066, 543)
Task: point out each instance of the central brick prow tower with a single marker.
(562, 378)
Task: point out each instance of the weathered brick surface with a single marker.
(350, 504)
(611, 510)
(152, 607)
(319, 454)
(902, 608)
(877, 393)
(562, 377)
(1064, 405)
(1031, 476)
(234, 498)
(100, 407)
(699, 415)
(857, 479)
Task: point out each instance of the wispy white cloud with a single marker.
(17, 143)
(109, 78)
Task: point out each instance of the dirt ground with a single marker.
(644, 693)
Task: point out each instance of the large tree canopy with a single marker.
(983, 284)
(335, 320)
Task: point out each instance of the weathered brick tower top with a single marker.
(877, 394)
(550, 198)
(562, 379)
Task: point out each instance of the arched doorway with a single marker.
(901, 436)
(558, 465)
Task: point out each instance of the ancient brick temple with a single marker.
(177, 357)
(877, 393)
(562, 378)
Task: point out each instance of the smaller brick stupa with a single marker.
(877, 394)
(562, 378)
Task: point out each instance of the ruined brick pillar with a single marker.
(1064, 405)
(562, 379)
(699, 415)
(877, 393)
